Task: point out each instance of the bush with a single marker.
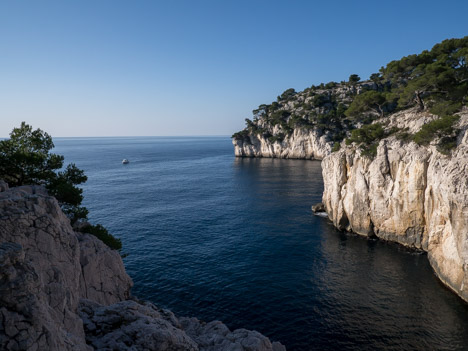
(336, 147)
(370, 151)
(103, 234)
(367, 138)
(354, 78)
(447, 144)
(445, 108)
(368, 134)
(243, 134)
(439, 128)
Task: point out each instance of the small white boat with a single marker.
(125, 161)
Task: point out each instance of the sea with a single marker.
(217, 237)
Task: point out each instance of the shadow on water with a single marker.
(218, 237)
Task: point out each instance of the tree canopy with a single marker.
(434, 80)
(26, 159)
(364, 102)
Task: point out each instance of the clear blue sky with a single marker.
(112, 68)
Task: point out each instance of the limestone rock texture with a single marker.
(65, 290)
(133, 325)
(301, 144)
(410, 194)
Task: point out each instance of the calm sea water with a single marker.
(216, 237)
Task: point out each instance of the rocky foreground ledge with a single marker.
(64, 290)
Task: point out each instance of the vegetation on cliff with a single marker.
(25, 159)
(435, 81)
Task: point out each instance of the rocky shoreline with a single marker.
(410, 194)
(65, 290)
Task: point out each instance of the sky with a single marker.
(161, 68)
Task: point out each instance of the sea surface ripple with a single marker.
(218, 237)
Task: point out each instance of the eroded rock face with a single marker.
(301, 144)
(63, 290)
(48, 267)
(27, 319)
(103, 278)
(132, 325)
(408, 194)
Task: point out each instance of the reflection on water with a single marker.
(232, 239)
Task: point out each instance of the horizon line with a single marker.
(140, 136)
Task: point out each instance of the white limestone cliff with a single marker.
(302, 144)
(409, 194)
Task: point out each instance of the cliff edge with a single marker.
(410, 194)
(64, 290)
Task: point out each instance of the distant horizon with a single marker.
(133, 136)
(111, 68)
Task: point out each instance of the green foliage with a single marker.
(25, 159)
(241, 135)
(439, 128)
(261, 111)
(287, 94)
(367, 137)
(370, 100)
(370, 151)
(63, 187)
(103, 234)
(354, 78)
(341, 110)
(336, 146)
(434, 80)
(432, 76)
(375, 77)
(447, 144)
(445, 108)
(320, 100)
(367, 134)
(279, 116)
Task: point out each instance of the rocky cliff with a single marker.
(394, 150)
(63, 290)
(302, 143)
(300, 124)
(410, 194)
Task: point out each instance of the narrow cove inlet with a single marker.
(233, 239)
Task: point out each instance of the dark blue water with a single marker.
(216, 237)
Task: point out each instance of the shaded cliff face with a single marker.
(302, 144)
(408, 194)
(46, 269)
(63, 290)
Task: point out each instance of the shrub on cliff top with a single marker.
(367, 138)
(25, 159)
(103, 234)
(440, 128)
